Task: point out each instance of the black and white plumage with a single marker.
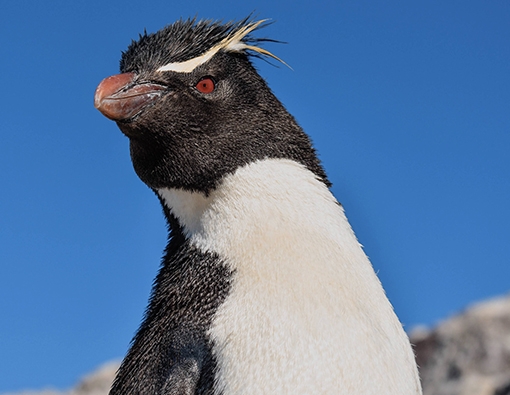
(263, 288)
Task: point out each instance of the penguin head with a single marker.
(195, 109)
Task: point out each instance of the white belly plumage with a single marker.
(306, 313)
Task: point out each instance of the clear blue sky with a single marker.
(408, 104)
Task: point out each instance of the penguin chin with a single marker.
(128, 127)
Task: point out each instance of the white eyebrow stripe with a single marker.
(233, 43)
(189, 65)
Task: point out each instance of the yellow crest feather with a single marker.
(234, 43)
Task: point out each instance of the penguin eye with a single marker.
(206, 85)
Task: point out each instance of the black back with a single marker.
(171, 353)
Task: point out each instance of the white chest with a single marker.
(306, 314)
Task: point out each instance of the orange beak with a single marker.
(119, 98)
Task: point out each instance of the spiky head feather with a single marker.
(186, 139)
(186, 44)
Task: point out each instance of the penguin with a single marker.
(263, 287)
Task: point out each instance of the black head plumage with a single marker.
(183, 136)
(181, 41)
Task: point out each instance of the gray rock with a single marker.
(95, 383)
(98, 382)
(468, 354)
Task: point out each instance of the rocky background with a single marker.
(468, 354)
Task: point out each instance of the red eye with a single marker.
(205, 85)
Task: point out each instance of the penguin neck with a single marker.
(270, 218)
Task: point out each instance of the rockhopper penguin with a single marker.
(263, 287)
